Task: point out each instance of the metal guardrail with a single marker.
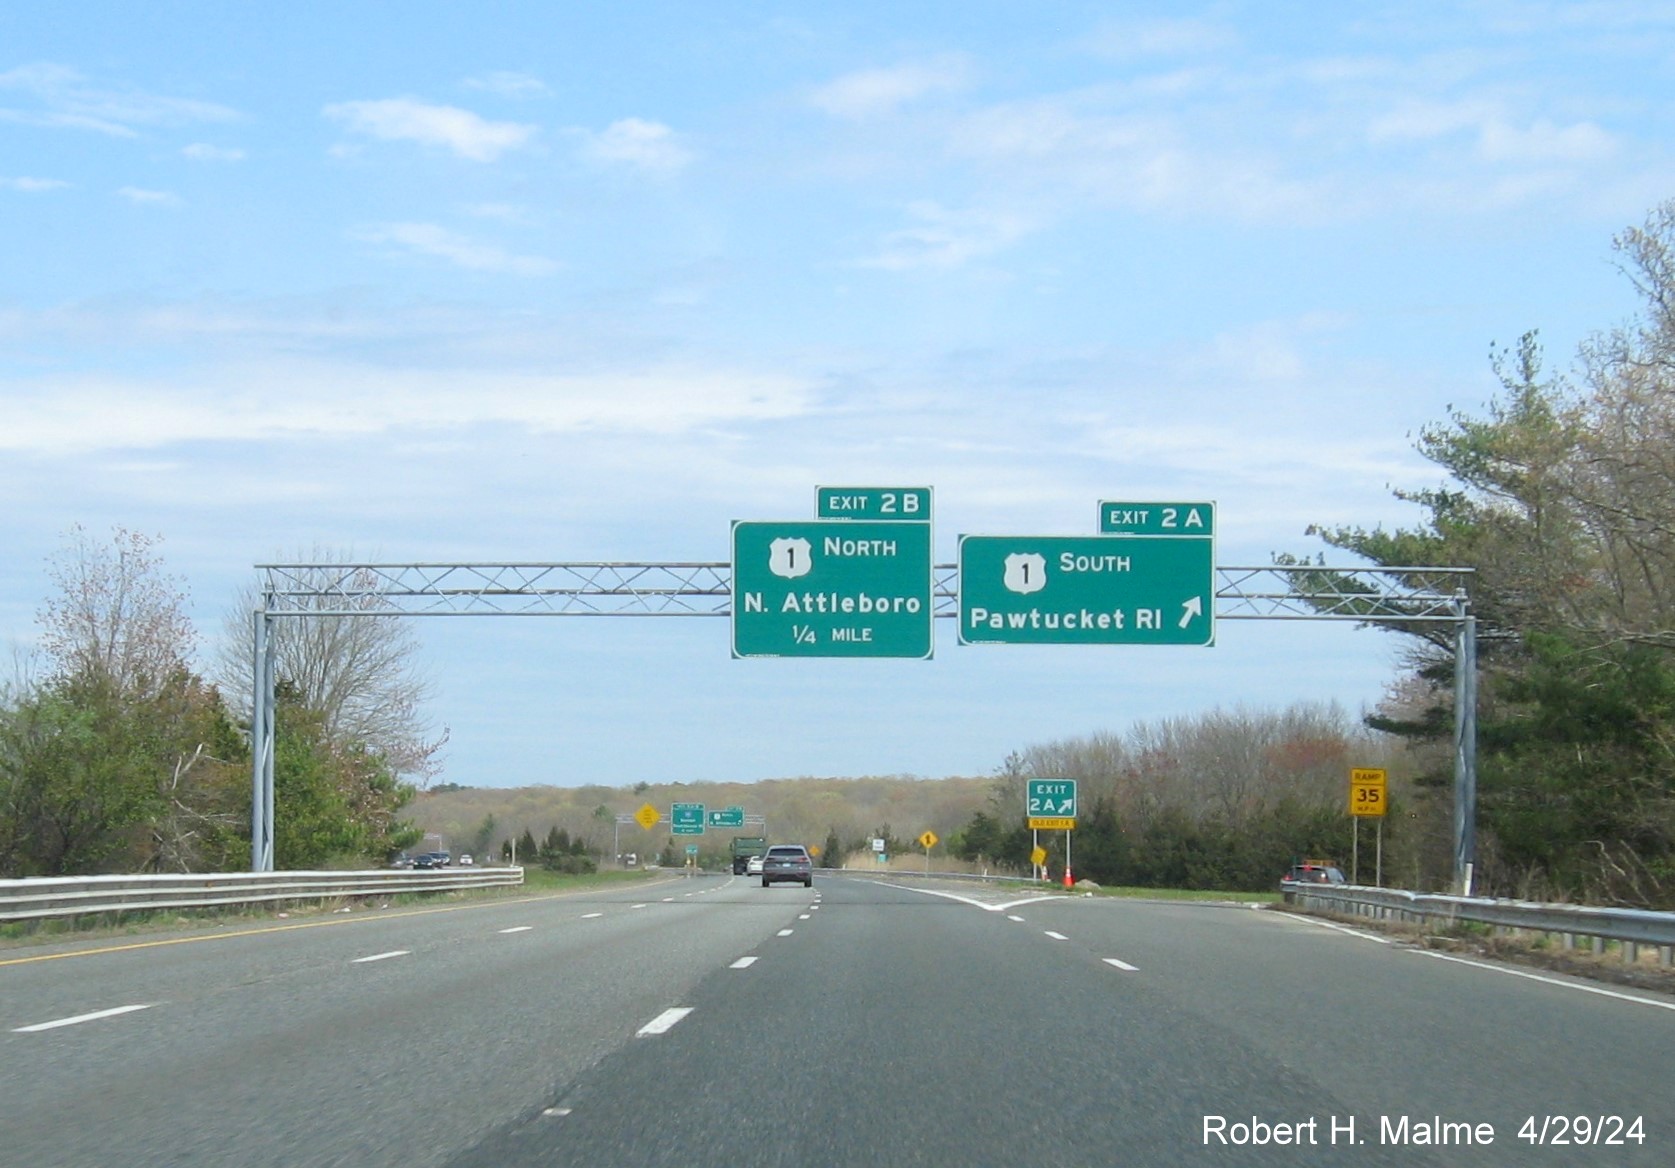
(70, 896)
(1631, 927)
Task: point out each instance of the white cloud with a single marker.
(33, 186)
(872, 93)
(1066, 154)
(407, 119)
(1497, 138)
(1542, 141)
(636, 142)
(66, 99)
(204, 152)
(509, 84)
(941, 238)
(431, 240)
(278, 398)
(143, 197)
(1161, 38)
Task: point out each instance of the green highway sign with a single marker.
(1050, 799)
(1086, 590)
(727, 817)
(687, 818)
(832, 588)
(1176, 519)
(890, 504)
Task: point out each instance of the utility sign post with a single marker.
(832, 588)
(1087, 590)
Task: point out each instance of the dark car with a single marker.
(788, 862)
(431, 860)
(1315, 872)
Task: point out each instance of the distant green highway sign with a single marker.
(687, 818)
(832, 588)
(1086, 590)
(727, 817)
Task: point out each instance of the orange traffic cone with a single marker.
(1068, 883)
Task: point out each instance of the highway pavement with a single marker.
(871, 1020)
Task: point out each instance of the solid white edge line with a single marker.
(743, 963)
(1555, 981)
(381, 956)
(1123, 965)
(1056, 936)
(663, 1022)
(80, 1018)
(1335, 927)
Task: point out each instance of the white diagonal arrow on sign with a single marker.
(1190, 609)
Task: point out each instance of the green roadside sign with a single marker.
(832, 588)
(1086, 590)
(727, 817)
(1051, 798)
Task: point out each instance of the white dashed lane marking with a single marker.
(518, 929)
(743, 963)
(785, 932)
(663, 1022)
(1122, 965)
(80, 1018)
(1057, 936)
(382, 956)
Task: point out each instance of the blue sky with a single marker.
(433, 282)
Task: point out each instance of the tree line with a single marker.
(1223, 800)
(117, 756)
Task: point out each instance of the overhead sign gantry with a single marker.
(893, 522)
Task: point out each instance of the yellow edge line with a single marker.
(283, 928)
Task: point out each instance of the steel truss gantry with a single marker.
(1424, 598)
